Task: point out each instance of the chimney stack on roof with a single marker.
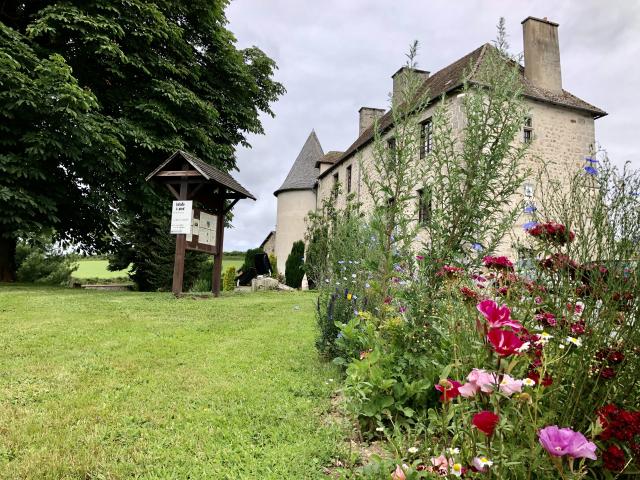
(400, 80)
(542, 53)
(368, 116)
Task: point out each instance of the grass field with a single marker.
(92, 268)
(112, 385)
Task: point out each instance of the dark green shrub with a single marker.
(40, 264)
(229, 279)
(250, 259)
(294, 267)
(273, 260)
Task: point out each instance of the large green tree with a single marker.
(164, 75)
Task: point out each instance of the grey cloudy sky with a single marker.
(335, 56)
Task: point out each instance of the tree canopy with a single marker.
(95, 94)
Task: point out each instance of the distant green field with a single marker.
(93, 268)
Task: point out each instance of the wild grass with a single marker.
(115, 385)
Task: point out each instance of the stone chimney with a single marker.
(400, 78)
(542, 53)
(368, 116)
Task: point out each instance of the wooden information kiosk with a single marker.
(191, 180)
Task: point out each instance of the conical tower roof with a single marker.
(304, 174)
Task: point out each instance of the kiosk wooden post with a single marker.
(189, 178)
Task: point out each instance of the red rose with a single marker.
(613, 458)
(497, 262)
(486, 422)
(616, 356)
(607, 373)
(504, 342)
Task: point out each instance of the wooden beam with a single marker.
(173, 191)
(231, 205)
(181, 241)
(195, 190)
(179, 173)
(217, 259)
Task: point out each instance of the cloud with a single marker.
(336, 56)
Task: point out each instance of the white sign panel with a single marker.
(207, 229)
(181, 217)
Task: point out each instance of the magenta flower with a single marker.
(504, 342)
(497, 317)
(564, 441)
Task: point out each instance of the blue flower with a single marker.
(591, 160)
(529, 225)
(590, 170)
(477, 247)
(530, 209)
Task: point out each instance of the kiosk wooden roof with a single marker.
(204, 179)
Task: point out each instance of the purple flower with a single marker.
(530, 209)
(591, 160)
(477, 247)
(529, 225)
(402, 309)
(564, 441)
(590, 170)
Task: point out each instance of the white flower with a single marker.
(575, 341)
(412, 450)
(538, 328)
(380, 429)
(528, 382)
(544, 339)
(482, 462)
(353, 275)
(561, 347)
(453, 451)
(525, 346)
(456, 469)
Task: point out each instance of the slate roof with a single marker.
(304, 173)
(329, 157)
(209, 172)
(266, 239)
(451, 78)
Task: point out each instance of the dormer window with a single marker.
(528, 130)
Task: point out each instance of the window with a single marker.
(426, 138)
(391, 144)
(349, 179)
(334, 188)
(528, 130)
(424, 206)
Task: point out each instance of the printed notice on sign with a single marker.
(181, 217)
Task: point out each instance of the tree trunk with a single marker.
(7, 259)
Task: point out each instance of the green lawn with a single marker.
(110, 385)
